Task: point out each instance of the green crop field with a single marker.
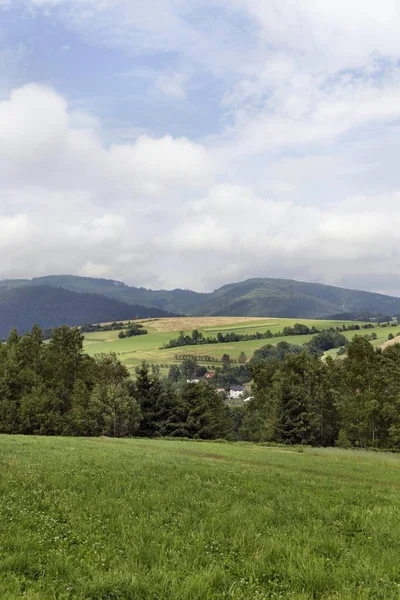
(105, 519)
(132, 351)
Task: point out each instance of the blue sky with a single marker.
(190, 144)
(117, 85)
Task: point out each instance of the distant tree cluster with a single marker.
(197, 338)
(132, 331)
(206, 358)
(360, 316)
(126, 329)
(326, 340)
(114, 326)
(277, 353)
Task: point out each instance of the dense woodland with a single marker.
(50, 307)
(55, 389)
(353, 401)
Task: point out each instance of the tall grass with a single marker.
(142, 519)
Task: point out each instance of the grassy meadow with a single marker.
(132, 351)
(105, 519)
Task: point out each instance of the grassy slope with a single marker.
(132, 351)
(143, 520)
(381, 332)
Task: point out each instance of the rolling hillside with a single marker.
(132, 351)
(288, 298)
(174, 301)
(254, 297)
(47, 306)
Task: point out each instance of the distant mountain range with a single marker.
(24, 305)
(53, 300)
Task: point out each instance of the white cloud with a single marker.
(340, 34)
(33, 124)
(304, 110)
(259, 236)
(161, 163)
(91, 269)
(173, 84)
(68, 203)
(39, 137)
(323, 35)
(15, 230)
(299, 177)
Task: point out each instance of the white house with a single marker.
(236, 391)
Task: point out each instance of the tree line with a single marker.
(114, 326)
(54, 388)
(198, 338)
(354, 401)
(319, 343)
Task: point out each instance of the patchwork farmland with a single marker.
(132, 351)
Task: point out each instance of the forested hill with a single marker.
(254, 297)
(47, 306)
(289, 298)
(188, 302)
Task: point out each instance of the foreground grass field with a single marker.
(132, 351)
(160, 520)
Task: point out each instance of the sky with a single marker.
(192, 143)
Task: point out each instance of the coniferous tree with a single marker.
(207, 414)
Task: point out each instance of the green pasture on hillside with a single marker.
(103, 519)
(132, 351)
(381, 332)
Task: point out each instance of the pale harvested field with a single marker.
(395, 340)
(190, 323)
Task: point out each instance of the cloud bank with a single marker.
(299, 177)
